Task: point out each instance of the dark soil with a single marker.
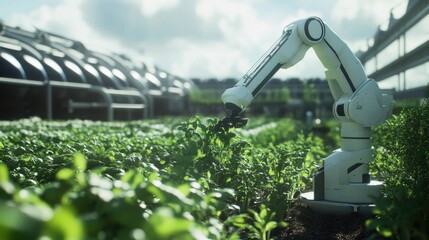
(303, 223)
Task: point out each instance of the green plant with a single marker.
(400, 215)
(402, 161)
(263, 223)
(136, 179)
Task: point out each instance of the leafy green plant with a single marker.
(263, 223)
(400, 215)
(402, 161)
(134, 180)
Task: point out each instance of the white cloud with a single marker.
(202, 38)
(197, 60)
(65, 19)
(377, 10)
(151, 7)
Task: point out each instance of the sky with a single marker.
(198, 38)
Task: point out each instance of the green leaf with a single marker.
(164, 225)
(168, 194)
(65, 224)
(270, 226)
(283, 224)
(256, 216)
(65, 174)
(79, 162)
(385, 233)
(133, 178)
(263, 214)
(185, 189)
(18, 224)
(4, 173)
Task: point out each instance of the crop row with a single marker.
(154, 179)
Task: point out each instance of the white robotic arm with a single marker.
(289, 49)
(345, 74)
(359, 105)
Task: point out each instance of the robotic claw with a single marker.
(231, 122)
(232, 119)
(343, 185)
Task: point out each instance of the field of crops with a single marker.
(154, 179)
(166, 178)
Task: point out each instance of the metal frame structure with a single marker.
(67, 76)
(107, 94)
(416, 11)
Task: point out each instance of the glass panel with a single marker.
(388, 55)
(389, 83)
(417, 77)
(370, 66)
(417, 35)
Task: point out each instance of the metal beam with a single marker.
(21, 82)
(412, 59)
(107, 95)
(397, 28)
(420, 92)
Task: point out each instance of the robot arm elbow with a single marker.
(368, 106)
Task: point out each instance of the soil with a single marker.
(303, 223)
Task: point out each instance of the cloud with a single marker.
(65, 19)
(203, 38)
(128, 21)
(150, 7)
